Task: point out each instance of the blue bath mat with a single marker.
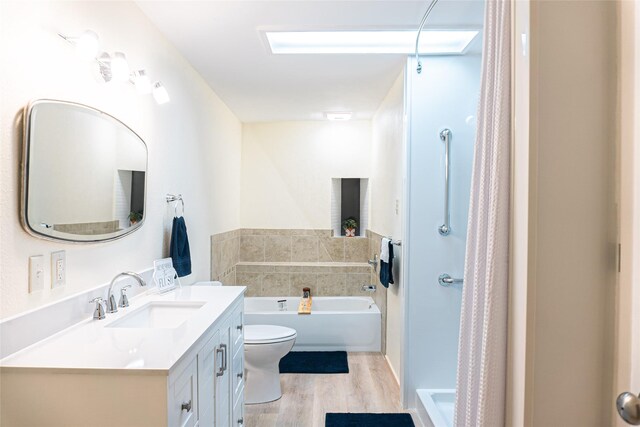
(315, 362)
(368, 420)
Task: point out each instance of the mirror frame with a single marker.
(24, 173)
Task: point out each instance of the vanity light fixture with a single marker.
(104, 65)
(115, 67)
(119, 67)
(142, 82)
(160, 93)
(341, 116)
(87, 43)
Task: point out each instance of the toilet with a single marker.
(264, 346)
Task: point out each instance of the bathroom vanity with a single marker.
(174, 359)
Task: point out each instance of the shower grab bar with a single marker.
(445, 228)
(446, 280)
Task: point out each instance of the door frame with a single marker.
(627, 339)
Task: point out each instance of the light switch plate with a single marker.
(58, 269)
(36, 273)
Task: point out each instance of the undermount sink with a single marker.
(159, 315)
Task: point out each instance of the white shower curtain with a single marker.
(482, 353)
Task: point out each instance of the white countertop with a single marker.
(92, 346)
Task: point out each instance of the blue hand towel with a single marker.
(179, 247)
(386, 269)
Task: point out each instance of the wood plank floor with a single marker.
(368, 387)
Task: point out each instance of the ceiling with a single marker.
(225, 43)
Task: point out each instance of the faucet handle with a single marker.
(124, 301)
(368, 288)
(98, 313)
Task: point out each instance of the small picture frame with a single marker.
(164, 275)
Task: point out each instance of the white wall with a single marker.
(444, 95)
(387, 178)
(287, 169)
(194, 141)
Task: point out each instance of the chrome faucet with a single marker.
(368, 288)
(111, 300)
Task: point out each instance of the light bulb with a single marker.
(87, 44)
(160, 93)
(142, 82)
(104, 67)
(119, 67)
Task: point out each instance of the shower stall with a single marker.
(440, 104)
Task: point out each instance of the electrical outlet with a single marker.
(58, 269)
(397, 206)
(36, 273)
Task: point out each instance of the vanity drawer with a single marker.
(238, 373)
(237, 325)
(184, 406)
(238, 412)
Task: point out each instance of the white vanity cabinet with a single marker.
(203, 388)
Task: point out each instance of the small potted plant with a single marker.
(349, 226)
(135, 217)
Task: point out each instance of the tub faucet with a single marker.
(368, 288)
(111, 300)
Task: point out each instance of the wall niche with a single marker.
(349, 199)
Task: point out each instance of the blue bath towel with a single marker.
(179, 247)
(386, 269)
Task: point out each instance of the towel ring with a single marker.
(175, 208)
(174, 198)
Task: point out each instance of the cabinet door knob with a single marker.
(241, 421)
(240, 375)
(239, 327)
(186, 406)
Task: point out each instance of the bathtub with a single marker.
(438, 405)
(335, 323)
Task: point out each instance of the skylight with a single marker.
(432, 42)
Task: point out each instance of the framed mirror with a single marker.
(84, 174)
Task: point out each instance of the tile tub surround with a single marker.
(380, 295)
(280, 262)
(281, 245)
(274, 245)
(266, 279)
(225, 254)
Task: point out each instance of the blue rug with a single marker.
(315, 362)
(368, 420)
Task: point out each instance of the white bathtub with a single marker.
(438, 405)
(335, 323)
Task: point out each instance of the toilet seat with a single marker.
(267, 334)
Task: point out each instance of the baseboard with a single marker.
(392, 370)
